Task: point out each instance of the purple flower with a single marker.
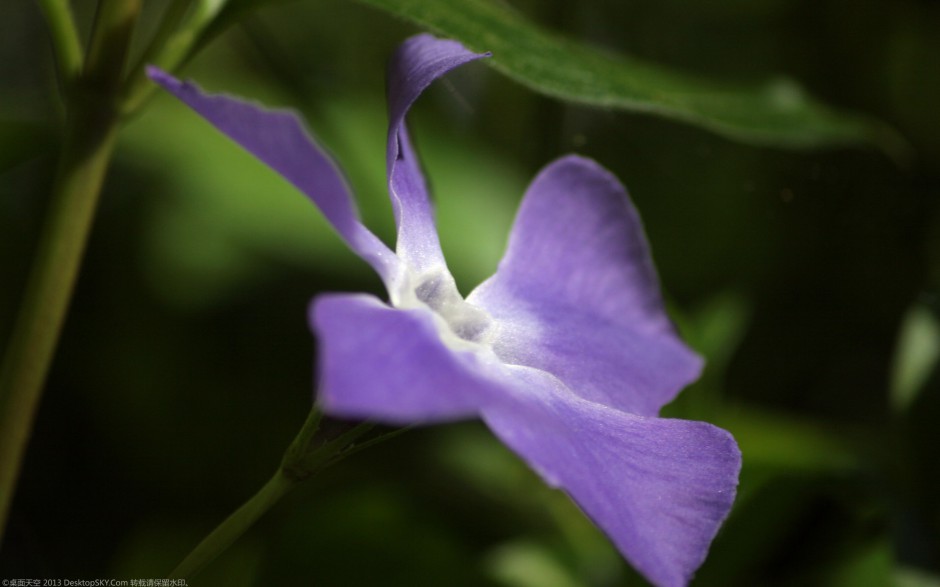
(566, 352)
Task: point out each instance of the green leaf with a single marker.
(527, 564)
(775, 113)
(918, 351)
(779, 442)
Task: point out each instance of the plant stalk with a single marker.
(90, 134)
(65, 41)
(301, 460)
(87, 150)
(234, 526)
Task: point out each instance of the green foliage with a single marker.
(775, 113)
(916, 356)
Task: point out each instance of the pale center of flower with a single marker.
(462, 325)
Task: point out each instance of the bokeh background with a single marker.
(808, 279)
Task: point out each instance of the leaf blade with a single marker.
(776, 113)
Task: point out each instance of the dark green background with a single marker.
(186, 364)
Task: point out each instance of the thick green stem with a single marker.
(86, 153)
(90, 135)
(234, 526)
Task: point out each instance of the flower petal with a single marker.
(577, 295)
(278, 138)
(391, 365)
(659, 488)
(632, 371)
(418, 62)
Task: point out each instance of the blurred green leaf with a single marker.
(909, 577)
(716, 328)
(782, 442)
(775, 113)
(917, 352)
(869, 565)
(527, 564)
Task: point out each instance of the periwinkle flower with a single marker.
(566, 352)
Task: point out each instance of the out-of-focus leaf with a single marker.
(917, 353)
(715, 329)
(868, 566)
(777, 113)
(909, 577)
(527, 564)
(772, 440)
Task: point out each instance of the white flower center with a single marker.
(462, 325)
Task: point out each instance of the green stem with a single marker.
(90, 134)
(301, 460)
(65, 42)
(234, 526)
(300, 446)
(138, 87)
(182, 27)
(330, 452)
(107, 51)
(86, 154)
(354, 448)
(289, 474)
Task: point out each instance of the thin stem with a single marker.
(173, 49)
(169, 24)
(354, 448)
(300, 446)
(110, 39)
(234, 526)
(332, 451)
(301, 460)
(226, 533)
(168, 29)
(65, 42)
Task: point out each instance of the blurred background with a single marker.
(808, 279)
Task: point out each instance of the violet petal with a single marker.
(391, 365)
(278, 138)
(579, 296)
(659, 488)
(600, 361)
(419, 61)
